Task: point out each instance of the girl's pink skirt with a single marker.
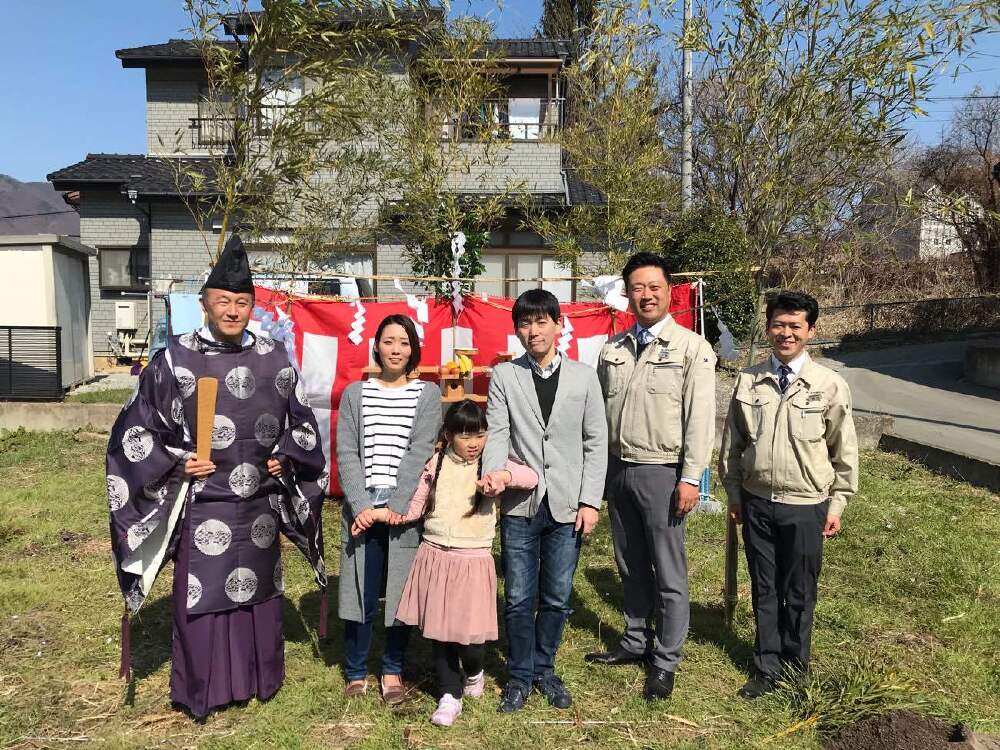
(451, 595)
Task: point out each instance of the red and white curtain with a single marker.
(333, 341)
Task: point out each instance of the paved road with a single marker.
(922, 387)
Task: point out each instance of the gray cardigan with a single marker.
(569, 454)
(403, 540)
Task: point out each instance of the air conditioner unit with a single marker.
(125, 316)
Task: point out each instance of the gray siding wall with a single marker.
(390, 260)
(177, 250)
(534, 166)
(107, 218)
(171, 102)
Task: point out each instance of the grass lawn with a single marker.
(909, 610)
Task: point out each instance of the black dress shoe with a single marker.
(617, 656)
(554, 691)
(659, 685)
(758, 685)
(513, 697)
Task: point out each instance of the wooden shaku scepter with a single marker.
(208, 388)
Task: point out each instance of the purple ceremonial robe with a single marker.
(221, 532)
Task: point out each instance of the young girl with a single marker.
(451, 591)
(386, 431)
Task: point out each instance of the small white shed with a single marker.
(45, 341)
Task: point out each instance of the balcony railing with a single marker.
(213, 131)
(516, 119)
(218, 130)
(519, 119)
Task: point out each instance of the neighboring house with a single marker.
(131, 212)
(924, 231)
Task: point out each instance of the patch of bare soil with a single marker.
(902, 730)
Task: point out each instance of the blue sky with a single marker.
(68, 95)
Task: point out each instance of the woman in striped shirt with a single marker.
(386, 431)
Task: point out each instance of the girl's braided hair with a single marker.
(462, 416)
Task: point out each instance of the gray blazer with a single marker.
(570, 454)
(403, 540)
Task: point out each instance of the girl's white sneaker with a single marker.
(449, 708)
(475, 685)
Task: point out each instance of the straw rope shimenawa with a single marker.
(319, 276)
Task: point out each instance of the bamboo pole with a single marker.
(730, 594)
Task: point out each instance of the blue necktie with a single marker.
(644, 339)
(784, 371)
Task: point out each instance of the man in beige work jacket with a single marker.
(789, 463)
(659, 388)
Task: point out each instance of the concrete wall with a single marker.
(982, 365)
(47, 417)
(26, 299)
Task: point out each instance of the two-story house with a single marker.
(132, 213)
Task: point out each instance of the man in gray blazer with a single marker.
(548, 411)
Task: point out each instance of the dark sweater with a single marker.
(545, 389)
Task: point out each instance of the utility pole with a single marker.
(687, 115)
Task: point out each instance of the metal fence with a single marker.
(31, 363)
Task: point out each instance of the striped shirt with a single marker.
(387, 418)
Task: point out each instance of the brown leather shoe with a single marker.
(355, 688)
(393, 695)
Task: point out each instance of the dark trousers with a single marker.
(358, 635)
(652, 561)
(449, 661)
(539, 557)
(784, 547)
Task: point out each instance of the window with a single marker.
(269, 265)
(517, 118)
(216, 118)
(281, 92)
(513, 264)
(123, 269)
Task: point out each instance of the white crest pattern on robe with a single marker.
(284, 381)
(279, 578)
(241, 585)
(177, 411)
(138, 532)
(244, 480)
(301, 507)
(264, 345)
(263, 530)
(194, 590)
(212, 537)
(186, 381)
(304, 436)
(300, 392)
(240, 382)
(188, 341)
(117, 492)
(223, 432)
(155, 491)
(266, 429)
(137, 443)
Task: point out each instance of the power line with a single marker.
(962, 97)
(43, 213)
